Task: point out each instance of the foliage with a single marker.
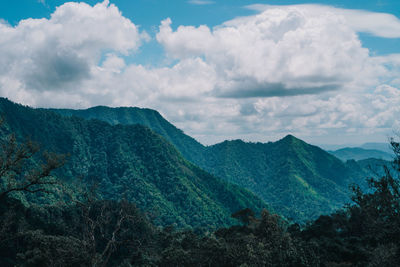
(81, 235)
(297, 180)
(98, 233)
(366, 233)
(131, 162)
(15, 177)
(86, 231)
(188, 146)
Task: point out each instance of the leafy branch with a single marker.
(15, 177)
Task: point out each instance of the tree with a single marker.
(365, 233)
(396, 150)
(245, 216)
(22, 169)
(109, 227)
(16, 171)
(379, 211)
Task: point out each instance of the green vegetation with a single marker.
(366, 233)
(297, 180)
(130, 162)
(15, 176)
(110, 233)
(78, 228)
(189, 147)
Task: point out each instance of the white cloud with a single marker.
(375, 112)
(378, 24)
(279, 52)
(201, 2)
(287, 69)
(60, 52)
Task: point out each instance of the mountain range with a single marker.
(359, 153)
(131, 162)
(298, 180)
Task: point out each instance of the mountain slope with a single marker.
(298, 180)
(188, 146)
(358, 153)
(134, 162)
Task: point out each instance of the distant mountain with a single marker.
(358, 153)
(385, 147)
(333, 147)
(131, 161)
(375, 166)
(298, 180)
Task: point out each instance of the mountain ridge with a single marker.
(144, 116)
(359, 153)
(297, 179)
(133, 162)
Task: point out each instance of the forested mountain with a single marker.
(133, 162)
(358, 153)
(188, 146)
(298, 180)
(110, 233)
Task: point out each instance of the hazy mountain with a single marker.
(134, 162)
(385, 147)
(298, 180)
(358, 153)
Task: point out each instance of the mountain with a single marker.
(133, 162)
(358, 153)
(297, 180)
(188, 146)
(385, 147)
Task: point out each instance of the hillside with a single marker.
(358, 153)
(134, 162)
(188, 146)
(298, 180)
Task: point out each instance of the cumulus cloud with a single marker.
(378, 24)
(363, 114)
(279, 52)
(60, 52)
(296, 69)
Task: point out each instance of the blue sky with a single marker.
(255, 70)
(149, 13)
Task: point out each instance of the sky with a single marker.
(324, 71)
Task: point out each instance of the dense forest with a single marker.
(129, 161)
(92, 232)
(298, 180)
(76, 192)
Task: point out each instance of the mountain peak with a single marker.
(290, 139)
(289, 136)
